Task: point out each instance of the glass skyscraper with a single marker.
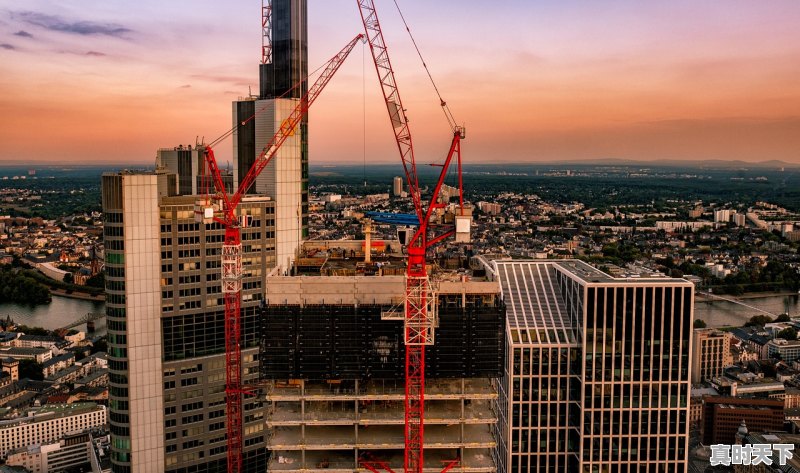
(597, 374)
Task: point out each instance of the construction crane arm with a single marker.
(289, 125)
(391, 95)
(287, 129)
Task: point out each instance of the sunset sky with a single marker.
(98, 81)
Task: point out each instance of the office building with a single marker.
(786, 350)
(397, 186)
(334, 361)
(596, 376)
(189, 167)
(722, 417)
(50, 423)
(711, 352)
(165, 321)
(73, 452)
(285, 179)
(186, 163)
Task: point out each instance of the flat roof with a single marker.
(534, 302)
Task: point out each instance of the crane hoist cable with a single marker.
(447, 113)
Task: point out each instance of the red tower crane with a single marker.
(232, 249)
(419, 305)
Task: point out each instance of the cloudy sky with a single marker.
(87, 81)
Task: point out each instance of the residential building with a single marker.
(711, 352)
(60, 362)
(597, 372)
(397, 186)
(50, 423)
(723, 215)
(39, 355)
(165, 321)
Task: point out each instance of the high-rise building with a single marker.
(723, 215)
(186, 163)
(711, 352)
(397, 186)
(597, 369)
(165, 321)
(285, 179)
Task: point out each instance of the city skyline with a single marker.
(541, 82)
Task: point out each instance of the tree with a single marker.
(788, 334)
(98, 280)
(32, 330)
(30, 369)
(758, 320)
(69, 278)
(699, 323)
(100, 345)
(783, 318)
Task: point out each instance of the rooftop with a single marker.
(534, 302)
(53, 411)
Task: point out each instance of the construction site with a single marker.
(371, 356)
(333, 360)
(354, 349)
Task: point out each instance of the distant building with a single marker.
(786, 350)
(711, 352)
(723, 215)
(10, 366)
(397, 186)
(491, 208)
(722, 417)
(771, 438)
(72, 451)
(49, 423)
(39, 355)
(184, 162)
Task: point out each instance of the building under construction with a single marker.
(332, 359)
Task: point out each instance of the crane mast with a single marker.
(232, 252)
(419, 304)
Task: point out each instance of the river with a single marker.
(58, 313)
(723, 313)
(63, 311)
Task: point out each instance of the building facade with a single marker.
(165, 321)
(711, 352)
(285, 179)
(49, 424)
(336, 378)
(397, 186)
(597, 370)
(723, 415)
(73, 452)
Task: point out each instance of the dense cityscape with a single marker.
(612, 287)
